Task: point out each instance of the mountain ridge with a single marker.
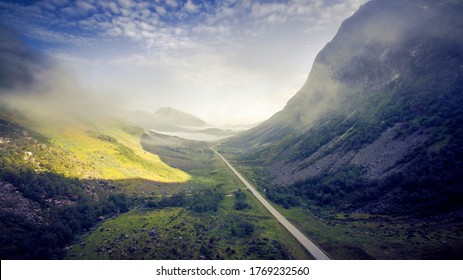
(381, 102)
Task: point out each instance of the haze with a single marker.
(229, 62)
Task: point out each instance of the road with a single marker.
(309, 245)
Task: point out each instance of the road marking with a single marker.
(313, 249)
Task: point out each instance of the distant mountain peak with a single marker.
(168, 110)
(177, 117)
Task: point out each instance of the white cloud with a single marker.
(172, 3)
(71, 59)
(70, 11)
(143, 5)
(113, 7)
(160, 10)
(126, 3)
(261, 10)
(85, 7)
(113, 31)
(191, 7)
(224, 21)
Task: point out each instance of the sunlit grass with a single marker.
(120, 158)
(180, 233)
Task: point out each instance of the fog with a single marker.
(37, 86)
(346, 69)
(223, 86)
(226, 62)
(19, 65)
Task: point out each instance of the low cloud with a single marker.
(33, 83)
(19, 65)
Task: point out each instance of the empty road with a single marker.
(309, 245)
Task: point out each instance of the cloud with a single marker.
(85, 7)
(126, 3)
(191, 7)
(261, 10)
(172, 3)
(33, 83)
(112, 7)
(73, 60)
(19, 65)
(160, 10)
(125, 18)
(166, 49)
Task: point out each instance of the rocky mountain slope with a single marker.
(377, 125)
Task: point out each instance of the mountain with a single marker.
(165, 119)
(376, 128)
(173, 122)
(149, 121)
(178, 118)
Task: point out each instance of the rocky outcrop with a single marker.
(378, 159)
(12, 201)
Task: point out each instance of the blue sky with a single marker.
(232, 61)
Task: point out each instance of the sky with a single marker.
(226, 62)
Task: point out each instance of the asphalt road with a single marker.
(309, 245)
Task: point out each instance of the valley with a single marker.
(210, 217)
(136, 216)
(129, 213)
(365, 161)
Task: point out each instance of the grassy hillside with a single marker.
(109, 148)
(43, 204)
(59, 176)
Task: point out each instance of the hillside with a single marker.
(106, 147)
(376, 127)
(60, 176)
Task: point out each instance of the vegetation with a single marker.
(63, 206)
(240, 200)
(198, 222)
(56, 202)
(200, 200)
(48, 196)
(107, 149)
(173, 233)
(376, 131)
